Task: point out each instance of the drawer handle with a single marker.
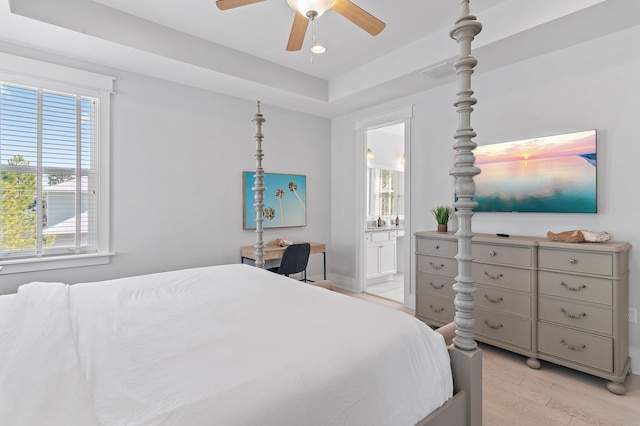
(572, 261)
(437, 287)
(436, 266)
(493, 253)
(493, 277)
(565, 285)
(436, 310)
(573, 348)
(498, 300)
(437, 247)
(572, 316)
(495, 327)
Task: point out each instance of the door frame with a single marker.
(399, 115)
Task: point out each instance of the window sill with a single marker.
(55, 262)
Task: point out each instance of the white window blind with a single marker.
(48, 149)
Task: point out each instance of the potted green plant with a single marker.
(443, 215)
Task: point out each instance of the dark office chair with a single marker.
(294, 260)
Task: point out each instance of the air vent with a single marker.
(438, 71)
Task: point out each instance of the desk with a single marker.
(275, 252)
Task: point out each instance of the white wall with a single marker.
(177, 156)
(592, 85)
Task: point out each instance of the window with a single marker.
(384, 192)
(52, 184)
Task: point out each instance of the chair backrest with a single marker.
(294, 259)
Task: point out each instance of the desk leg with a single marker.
(324, 255)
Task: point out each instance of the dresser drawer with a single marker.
(577, 287)
(580, 315)
(503, 300)
(438, 265)
(575, 346)
(437, 310)
(437, 247)
(505, 328)
(502, 276)
(507, 255)
(576, 261)
(436, 284)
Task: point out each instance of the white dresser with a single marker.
(583, 299)
(561, 302)
(504, 273)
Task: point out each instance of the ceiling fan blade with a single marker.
(359, 16)
(298, 31)
(230, 4)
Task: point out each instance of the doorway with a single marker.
(385, 206)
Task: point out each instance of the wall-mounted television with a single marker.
(551, 174)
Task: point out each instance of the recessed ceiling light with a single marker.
(318, 48)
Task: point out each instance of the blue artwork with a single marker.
(285, 200)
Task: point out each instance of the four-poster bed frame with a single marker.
(213, 345)
(465, 407)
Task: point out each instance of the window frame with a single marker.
(29, 72)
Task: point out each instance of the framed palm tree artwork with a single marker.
(285, 201)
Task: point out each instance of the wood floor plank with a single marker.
(517, 393)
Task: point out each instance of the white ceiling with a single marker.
(262, 29)
(241, 51)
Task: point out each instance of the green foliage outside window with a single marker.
(19, 210)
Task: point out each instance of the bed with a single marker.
(238, 345)
(221, 345)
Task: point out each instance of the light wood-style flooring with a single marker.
(514, 394)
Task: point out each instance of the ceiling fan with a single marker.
(308, 10)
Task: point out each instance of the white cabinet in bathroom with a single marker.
(381, 253)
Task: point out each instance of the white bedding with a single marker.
(224, 345)
(6, 301)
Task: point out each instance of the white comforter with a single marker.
(224, 345)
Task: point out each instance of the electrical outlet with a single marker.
(633, 315)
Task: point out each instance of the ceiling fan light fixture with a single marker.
(306, 6)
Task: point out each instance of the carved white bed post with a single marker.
(463, 171)
(258, 187)
(465, 29)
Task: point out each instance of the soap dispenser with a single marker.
(379, 221)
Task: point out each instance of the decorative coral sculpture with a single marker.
(578, 236)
